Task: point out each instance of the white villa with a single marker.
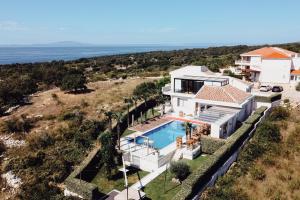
(220, 101)
(271, 65)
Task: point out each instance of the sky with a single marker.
(175, 22)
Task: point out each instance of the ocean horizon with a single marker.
(12, 55)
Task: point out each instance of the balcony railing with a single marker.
(242, 62)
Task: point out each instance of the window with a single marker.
(180, 102)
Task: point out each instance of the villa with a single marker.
(214, 105)
(271, 65)
(220, 101)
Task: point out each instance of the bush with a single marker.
(180, 170)
(18, 125)
(268, 132)
(257, 173)
(279, 113)
(73, 82)
(209, 145)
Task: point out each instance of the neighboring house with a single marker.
(234, 70)
(220, 101)
(271, 65)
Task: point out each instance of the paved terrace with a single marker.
(150, 124)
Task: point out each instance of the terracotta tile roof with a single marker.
(271, 52)
(295, 72)
(225, 93)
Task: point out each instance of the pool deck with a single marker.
(150, 124)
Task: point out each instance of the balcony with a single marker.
(242, 62)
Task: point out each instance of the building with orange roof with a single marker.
(198, 94)
(270, 65)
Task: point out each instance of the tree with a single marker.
(180, 169)
(188, 129)
(135, 99)
(109, 117)
(73, 82)
(128, 102)
(108, 153)
(118, 117)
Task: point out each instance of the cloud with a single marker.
(11, 26)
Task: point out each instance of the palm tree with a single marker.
(109, 116)
(188, 129)
(135, 99)
(118, 117)
(108, 153)
(162, 100)
(128, 102)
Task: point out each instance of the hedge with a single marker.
(268, 99)
(253, 119)
(75, 181)
(206, 169)
(79, 180)
(260, 110)
(209, 145)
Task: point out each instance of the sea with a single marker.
(10, 55)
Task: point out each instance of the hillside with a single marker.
(265, 170)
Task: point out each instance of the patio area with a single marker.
(150, 124)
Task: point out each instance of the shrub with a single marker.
(268, 132)
(209, 145)
(18, 125)
(257, 173)
(298, 87)
(180, 170)
(279, 113)
(73, 82)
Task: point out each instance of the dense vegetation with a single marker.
(49, 156)
(266, 150)
(20, 80)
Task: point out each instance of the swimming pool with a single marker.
(164, 135)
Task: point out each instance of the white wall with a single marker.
(255, 60)
(275, 71)
(296, 63)
(187, 108)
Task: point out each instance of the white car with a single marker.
(265, 88)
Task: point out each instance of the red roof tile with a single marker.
(225, 93)
(295, 72)
(271, 52)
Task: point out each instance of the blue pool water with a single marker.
(164, 135)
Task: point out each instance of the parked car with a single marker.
(265, 88)
(277, 88)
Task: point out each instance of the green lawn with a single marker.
(117, 182)
(127, 132)
(157, 190)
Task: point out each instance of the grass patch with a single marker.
(127, 132)
(117, 182)
(156, 189)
